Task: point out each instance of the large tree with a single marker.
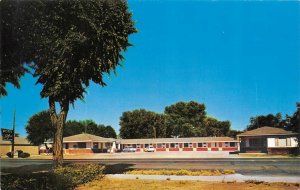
(74, 127)
(183, 118)
(142, 124)
(216, 128)
(39, 128)
(11, 30)
(269, 120)
(69, 44)
(106, 131)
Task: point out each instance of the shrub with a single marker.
(80, 173)
(24, 155)
(34, 181)
(64, 178)
(9, 154)
(254, 182)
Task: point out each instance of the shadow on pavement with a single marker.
(26, 169)
(117, 168)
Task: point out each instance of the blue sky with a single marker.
(240, 59)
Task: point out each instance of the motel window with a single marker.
(226, 144)
(134, 145)
(190, 145)
(164, 145)
(282, 142)
(95, 145)
(216, 145)
(186, 145)
(138, 146)
(204, 145)
(176, 145)
(107, 145)
(81, 145)
(257, 142)
(232, 144)
(159, 145)
(172, 145)
(200, 145)
(220, 144)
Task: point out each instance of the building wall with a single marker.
(294, 142)
(272, 142)
(32, 150)
(206, 146)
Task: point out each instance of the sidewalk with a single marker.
(223, 178)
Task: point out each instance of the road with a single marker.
(245, 166)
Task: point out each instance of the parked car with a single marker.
(129, 149)
(149, 149)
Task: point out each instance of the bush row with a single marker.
(64, 178)
(21, 154)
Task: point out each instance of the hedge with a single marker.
(64, 178)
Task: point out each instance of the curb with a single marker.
(223, 178)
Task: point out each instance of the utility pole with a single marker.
(13, 139)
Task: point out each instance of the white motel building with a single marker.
(262, 140)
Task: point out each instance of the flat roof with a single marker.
(177, 140)
(84, 137)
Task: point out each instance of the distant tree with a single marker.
(39, 128)
(292, 122)
(216, 128)
(269, 120)
(234, 133)
(142, 124)
(185, 118)
(106, 131)
(74, 127)
(68, 43)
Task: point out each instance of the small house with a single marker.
(269, 140)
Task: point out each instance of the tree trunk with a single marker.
(58, 122)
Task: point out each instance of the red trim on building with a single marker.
(187, 149)
(80, 151)
(160, 149)
(173, 149)
(201, 149)
(230, 149)
(214, 149)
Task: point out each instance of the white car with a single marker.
(149, 149)
(129, 149)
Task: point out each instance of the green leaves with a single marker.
(39, 128)
(71, 42)
(142, 124)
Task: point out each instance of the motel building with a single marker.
(182, 144)
(87, 143)
(268, 140)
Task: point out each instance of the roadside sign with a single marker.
(7, 134)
